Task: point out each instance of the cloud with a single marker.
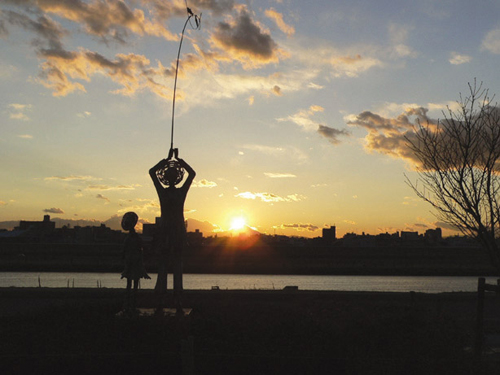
(100, 196)
(62, 72)
(269, 197)
(108, 20)
(279, 175)
(288, 153)
(491, 42)
(278, 18)
(410, 201)
(315, 86)
(48, 33)
(230, 86)
(389, 135)
(244, 40)
(442, 225)
(303, 118)
(238, 40)
(458, 59)
(72, 178)
(65, 71)
(349, 222)
(84, 114)
(338, 63)
(19, 111)
(398, 35)
(108, 187)
(53, 210)
(300, 227)
(420, 225)
(25, 136)
(205, 183)
(332, 134)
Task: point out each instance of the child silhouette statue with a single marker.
(166, 175)
(132, 256)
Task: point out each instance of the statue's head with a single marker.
(129, 220)
(172, 174)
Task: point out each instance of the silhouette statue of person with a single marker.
(166, 175)
(133, 259)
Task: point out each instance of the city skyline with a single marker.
(293, 115)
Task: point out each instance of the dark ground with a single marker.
(77, 331)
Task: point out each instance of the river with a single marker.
(424, 284)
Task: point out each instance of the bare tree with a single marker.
(459, 167)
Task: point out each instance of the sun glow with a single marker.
(237, 223)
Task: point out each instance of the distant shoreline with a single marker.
(485, 272)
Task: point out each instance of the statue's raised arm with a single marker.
(154, 171)
(190, 171)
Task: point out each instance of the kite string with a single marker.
(198, 25)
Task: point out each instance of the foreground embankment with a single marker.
(241, 332)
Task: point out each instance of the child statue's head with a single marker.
(129, 220)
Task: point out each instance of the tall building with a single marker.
(330, 234)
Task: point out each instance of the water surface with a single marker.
(426, 284)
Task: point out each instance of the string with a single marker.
(198, 26)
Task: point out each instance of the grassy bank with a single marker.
(249, 332)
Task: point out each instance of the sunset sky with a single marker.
(292, 113)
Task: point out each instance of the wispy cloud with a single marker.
(278, 18)
(336, 62)
(205, 184)
(270, 197)
(72, 178)
(458, 59)
(289, 153)
(491, 42)
(19, 111)
(301, 227)
(53, 210)
(304, 119)
(110, 187)
(279, 175)
(100, 196)
(398, 34)
(84, 114)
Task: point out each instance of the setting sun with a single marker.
(237, 223)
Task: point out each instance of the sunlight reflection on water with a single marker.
(430, 284)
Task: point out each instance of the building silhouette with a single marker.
(43, 226)
(329, 235)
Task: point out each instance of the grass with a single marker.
(247, 332)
